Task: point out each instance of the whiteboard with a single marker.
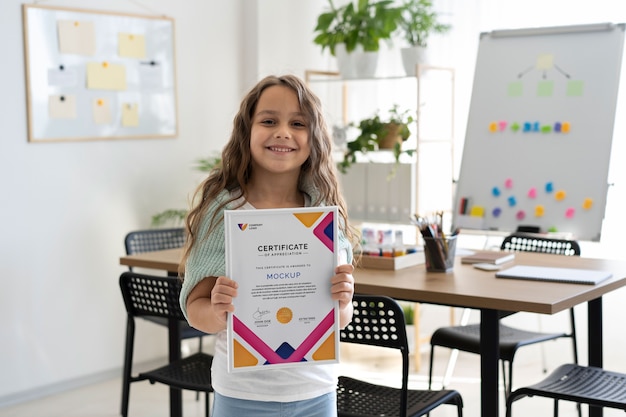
(539, 131)
(98, 75)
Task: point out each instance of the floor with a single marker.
(374, 364)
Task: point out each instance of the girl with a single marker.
(278, 156)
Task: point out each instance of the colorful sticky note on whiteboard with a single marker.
(477, 211)
(575, 88)
(532, 192)
(544, 62)
(570, 212)
(545, 88)
(520, 215)
(587, 203)
(539, 210)
(515, 89)
(560, 195)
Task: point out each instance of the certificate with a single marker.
(282, 260)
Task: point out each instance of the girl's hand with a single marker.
(222, 294)
(342, 285)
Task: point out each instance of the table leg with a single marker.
(176, 395)
(489, 354)
(417, 355)
(594, 323)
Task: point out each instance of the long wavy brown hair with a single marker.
(235, 168)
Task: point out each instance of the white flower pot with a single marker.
(356, 64)
(411, 57)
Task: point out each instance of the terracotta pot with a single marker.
(392, 137)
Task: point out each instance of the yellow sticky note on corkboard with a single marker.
(62, 107)
(106, 76)
(101, 110)
(131, 45)
(130, 114)
(76, 37)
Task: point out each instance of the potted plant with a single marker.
(419, 20)
(353, 33)
(177, 216)
(378, 133)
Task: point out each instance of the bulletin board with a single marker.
(539, 131)
(94, 75)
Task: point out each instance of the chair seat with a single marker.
(186, 331)
(467, 339)
(190, 373)
(581, 384)
(359, 398)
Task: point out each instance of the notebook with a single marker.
(490, 257)
(544, 273)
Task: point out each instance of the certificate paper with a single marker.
(283, 260)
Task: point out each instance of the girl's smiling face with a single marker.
(279, 139)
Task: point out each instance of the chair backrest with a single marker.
(147, 295)
(521, 242)
(379, 321)
(149, 240)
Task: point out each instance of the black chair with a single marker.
(580, 384)
(151, 296)
(379, 321)
(466, 338)
(150, 240)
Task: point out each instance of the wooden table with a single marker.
(469, 287)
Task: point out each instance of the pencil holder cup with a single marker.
(439, 253)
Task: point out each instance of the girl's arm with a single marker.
(209, 302)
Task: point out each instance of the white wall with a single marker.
(67, 206)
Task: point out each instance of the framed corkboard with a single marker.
(94, 75)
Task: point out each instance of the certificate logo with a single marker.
(242, 226)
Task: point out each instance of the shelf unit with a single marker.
(428, 177)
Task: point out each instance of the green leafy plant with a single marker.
(177, 216)
(419, 21)
(366, 24)
(409, 312)
(380, 133)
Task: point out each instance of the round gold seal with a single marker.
(284, 315)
